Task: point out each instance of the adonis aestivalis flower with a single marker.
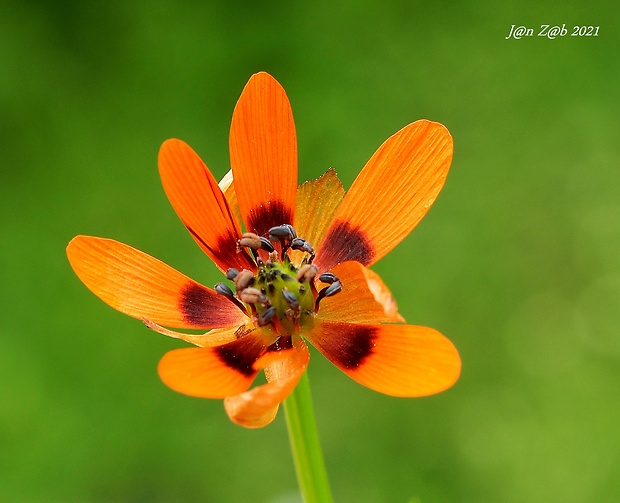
(296, 261)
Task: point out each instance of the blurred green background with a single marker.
(517, 262)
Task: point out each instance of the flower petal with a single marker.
(398, 360)
(263, 154)
(317, 202)
(390, 196)
(215, 337)
(216, 371)
(198, 200)
(364, 297)
(258, 407)
(141, 286)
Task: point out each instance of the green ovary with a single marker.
(273, 279)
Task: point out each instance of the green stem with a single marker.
(302, 433)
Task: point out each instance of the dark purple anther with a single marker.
(224, 289)
(266, 316)
(231, 273)
(290, 299)
(284, 232)
(328, 277)
(266, 244)
(332, 289)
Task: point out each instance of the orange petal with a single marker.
(258, 407)
(390, 196)
(364, 297)
(398, 360)
(141, 286)
(201, 205)
(317, 202)
(263, 154)
(213, 372)
(215, 337)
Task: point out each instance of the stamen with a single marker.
(252, 295)
(243, 280)
(291, 230)
(266, 245)
(290, 299)
(253, 242)
(328, 291)
(266, 316)
(306, 273)
(282, 233)
(225, 290)
(333, 289)
(250, 240)
(279, 295)
(303, 245)
(232, 273)
(328, 277)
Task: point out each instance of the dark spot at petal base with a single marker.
(203, 308)
(356, 344)
(345, 345)
(268, 215)
(345, 242)
(241, 354)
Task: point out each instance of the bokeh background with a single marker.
(517, 262)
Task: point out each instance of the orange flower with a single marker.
(285, 290)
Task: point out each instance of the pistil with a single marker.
(279, 296)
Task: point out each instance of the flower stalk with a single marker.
(305, 445)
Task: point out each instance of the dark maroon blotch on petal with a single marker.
(202, 307)
(345, 242)
(346, 345)
(241, 354)
(268, 215)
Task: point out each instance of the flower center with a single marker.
(280, 296)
